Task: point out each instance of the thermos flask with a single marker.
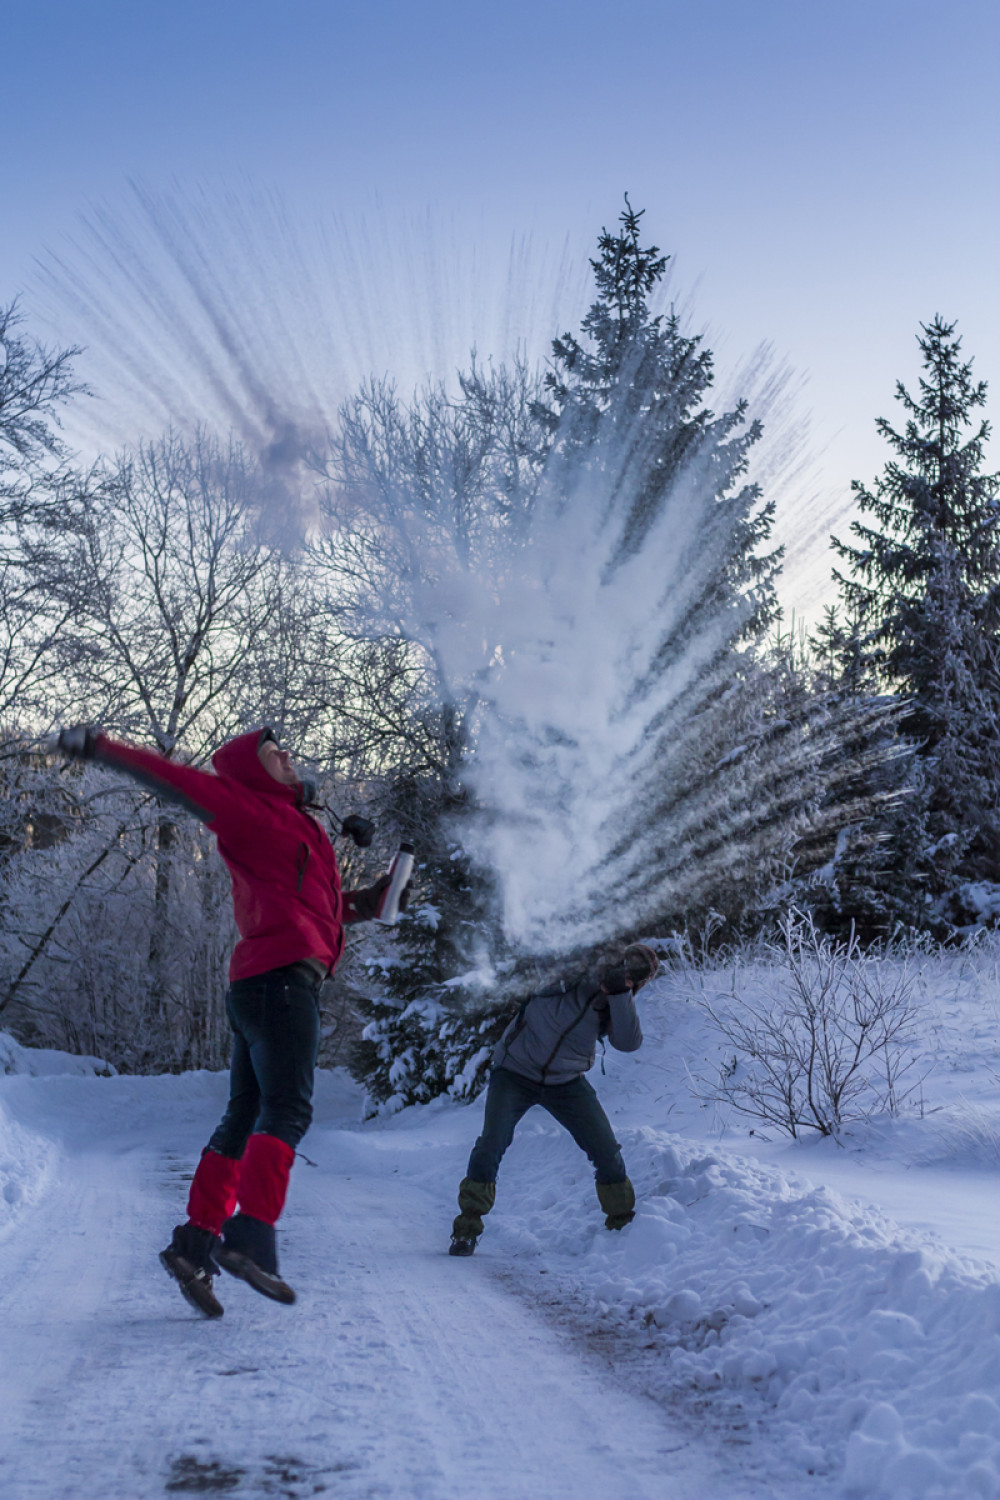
(399, 873)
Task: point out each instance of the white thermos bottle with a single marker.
(399, 873)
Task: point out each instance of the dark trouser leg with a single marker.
(233, 1130)
(275, 1020)
(215, 1185)
(576, 1106)
(508, 1097)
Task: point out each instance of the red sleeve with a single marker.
(199, 791)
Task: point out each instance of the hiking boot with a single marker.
(249, 1252)
(460, 1245)
(246, 1269)
(194, 1281)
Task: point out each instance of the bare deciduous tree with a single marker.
(38, 486)
(173, 607)
(418, 496)
(173, 587)
(34, 383)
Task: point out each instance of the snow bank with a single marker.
(42, 1061)
(866, 1355)
(27, 1158)
(26, 1164)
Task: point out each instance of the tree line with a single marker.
(852, 776)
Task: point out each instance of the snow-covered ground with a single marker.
(780, 1320)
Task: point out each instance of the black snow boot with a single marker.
(463, 1244)
(249, 1250)
(189, 1259)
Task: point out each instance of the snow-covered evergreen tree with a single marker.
(627, 411)
(856, 776)
(922, 584)
(430, 1004)
(629, 400)
(424, 496)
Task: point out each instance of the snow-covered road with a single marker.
(399, 1373)
(781, 1320)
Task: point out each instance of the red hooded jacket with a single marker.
(286, 886)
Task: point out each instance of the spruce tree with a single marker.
(629, 398)
(424, 1008)
(627, 409)
(844, 877)
(922, 582)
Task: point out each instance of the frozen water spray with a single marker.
(589, 670)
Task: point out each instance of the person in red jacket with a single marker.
(290, 912)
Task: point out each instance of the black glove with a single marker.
(361, 830)
(366, 899)
(638, 965)
(78, 742)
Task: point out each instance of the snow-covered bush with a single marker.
(409, 1055)
(828, 1039)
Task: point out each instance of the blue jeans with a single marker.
(575, 1105)
(275, 1021)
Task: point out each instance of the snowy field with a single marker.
(781, 1319)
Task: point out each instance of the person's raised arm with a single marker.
(619, 983)
(362, 905)
(624, 1032)
(200, 792)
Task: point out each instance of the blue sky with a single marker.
(825, 177)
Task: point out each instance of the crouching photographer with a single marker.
(541, 1059)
